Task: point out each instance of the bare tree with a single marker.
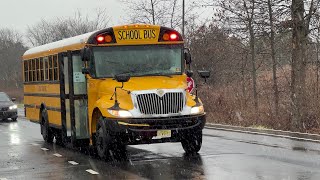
(11, 49)
(240, 16)
(162, 12)
(60, 28)
(301, 19)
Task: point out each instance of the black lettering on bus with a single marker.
(145, 34)
(128, 34)
(153, 32)
(120, 34)
(138, 32)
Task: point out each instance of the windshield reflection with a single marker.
(137, 61)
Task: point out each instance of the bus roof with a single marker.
(65, 42)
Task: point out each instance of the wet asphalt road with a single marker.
(224, 155)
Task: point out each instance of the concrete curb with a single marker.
(266, 132)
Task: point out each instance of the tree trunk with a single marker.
(152, 9)
(253, 71)
(298, 72)
(274, 62)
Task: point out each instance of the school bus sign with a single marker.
(139, 34)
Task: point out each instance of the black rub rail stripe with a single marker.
(38, 107)
(42, 95)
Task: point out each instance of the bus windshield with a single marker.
(137, 60)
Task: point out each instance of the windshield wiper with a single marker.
(158, 74)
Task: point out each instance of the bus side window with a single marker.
(26, 69)
(29, 67)
(55, 68)
(37, 69)
(34, 70)
(41, 70)
(46, 68)
(50, 68)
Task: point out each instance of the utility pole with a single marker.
(183, 19)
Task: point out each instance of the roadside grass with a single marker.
(260, 127)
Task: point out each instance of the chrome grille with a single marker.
(171, 102)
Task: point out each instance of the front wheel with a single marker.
(192, 142)
(108, 146)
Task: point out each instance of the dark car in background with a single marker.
(8, 109)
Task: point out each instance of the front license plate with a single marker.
(164, 133)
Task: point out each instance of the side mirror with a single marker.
(122, 77)
(189, 73)
(85, 54)
(85, 71)
(204, 74)
(187, 57)
(13, 99)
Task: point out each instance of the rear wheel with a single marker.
(59, 139)
(192, 142)
(46, 132)
(14, 119)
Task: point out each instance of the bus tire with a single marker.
(108, 146)
(192, 142)
(45, 129)
(103, 140)
(59, 139)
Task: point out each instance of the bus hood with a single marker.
(105, 89)
(145, 83)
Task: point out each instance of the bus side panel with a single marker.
(42, 89)
(54, 118)
(32, 114)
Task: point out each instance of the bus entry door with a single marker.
(74, 101)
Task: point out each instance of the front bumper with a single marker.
(8, 114)
(144, 131)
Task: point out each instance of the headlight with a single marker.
(120, 113)
(13, 107)
(197, 110)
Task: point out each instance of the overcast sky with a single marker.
(19, 14)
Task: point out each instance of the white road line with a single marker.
(73, 162)
(45, 149)
(3, 179)
(91, 171)
(35, 144)
(58, 155)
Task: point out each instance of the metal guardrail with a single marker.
(267, 132)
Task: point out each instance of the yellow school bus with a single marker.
(114, 87)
